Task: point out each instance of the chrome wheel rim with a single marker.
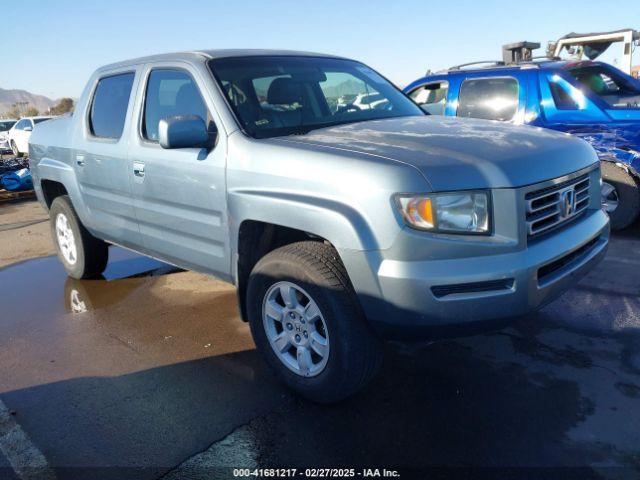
(296, 329)
(609, 197)
(66, 240)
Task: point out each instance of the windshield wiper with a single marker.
(304, 129)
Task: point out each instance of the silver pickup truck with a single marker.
(339, 222)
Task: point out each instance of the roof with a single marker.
(37, 117)
(198, 55)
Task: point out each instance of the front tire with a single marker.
(620, 195)
(307, 322)
(81, 254)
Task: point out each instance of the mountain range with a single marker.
(9, 97)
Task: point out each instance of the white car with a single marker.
(20, 133)
(5, 126)
(367, 101)
(362, 101)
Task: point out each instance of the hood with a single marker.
(456, 154)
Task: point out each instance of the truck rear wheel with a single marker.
(307, 322)
(81, 254)
(620, 195)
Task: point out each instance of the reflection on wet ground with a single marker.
(151, 366)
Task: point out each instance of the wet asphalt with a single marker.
(149, 373)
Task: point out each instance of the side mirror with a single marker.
(183, 131)
(28, 129)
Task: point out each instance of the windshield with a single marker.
(4, 125)
(609, 85)
(281, 95)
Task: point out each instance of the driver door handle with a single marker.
(138, 169)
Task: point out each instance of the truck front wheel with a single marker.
(620, 195)
(307, 323)
(81, 254)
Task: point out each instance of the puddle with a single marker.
(153, 310)
(41, 285)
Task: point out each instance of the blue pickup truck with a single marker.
(592, 100)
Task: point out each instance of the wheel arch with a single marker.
(53, 178)
(52, 189)
(255, 240)
(261, 221)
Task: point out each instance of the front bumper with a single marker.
(454, 296)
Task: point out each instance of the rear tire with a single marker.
(81, 254)
(626, 192)
(313, 271)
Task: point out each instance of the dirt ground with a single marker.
(24, 232)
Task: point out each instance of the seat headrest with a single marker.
(188, 100)
(284, 91)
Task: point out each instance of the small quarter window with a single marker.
(109, 106)
(562, 98)
(171, 93)
(489, 98)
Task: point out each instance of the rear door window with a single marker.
(109, 105)
(489, 98)
(432, 97)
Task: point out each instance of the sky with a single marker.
(51, 47)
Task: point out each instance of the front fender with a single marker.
(612, 146)
(342, 225)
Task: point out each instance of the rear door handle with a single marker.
(138, 169)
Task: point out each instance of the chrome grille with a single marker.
(552, 206)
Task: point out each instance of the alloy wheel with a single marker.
(296, 329)
(610, 197)
(66, 239)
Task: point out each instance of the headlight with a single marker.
(463, 212)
